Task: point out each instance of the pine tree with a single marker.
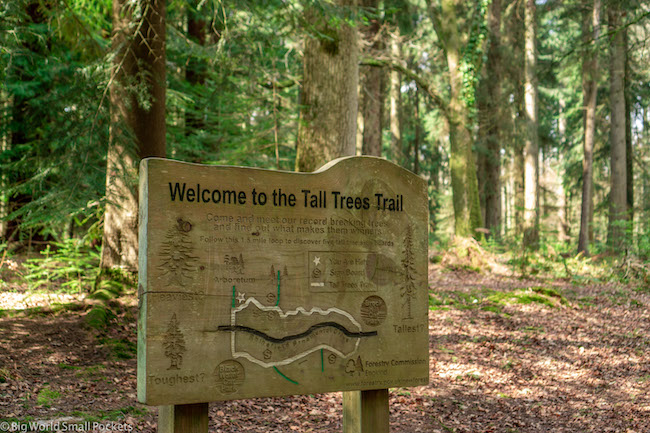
(408, 289)
(137, 96)
(174, 344)
(329, 94)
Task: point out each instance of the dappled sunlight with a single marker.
(579, 365)
(25, 300)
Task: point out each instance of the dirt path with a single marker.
(507, 355)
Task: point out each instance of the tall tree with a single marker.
(531, 150)
(417, 139)
(590, 35)
(645, 200)
(395, 99)
(490, 123)
(460, 58)
(21, 112)
(329, 97)
(196, 70)
(137, 97)
(629, 156)
(618, 169)
(371, 98)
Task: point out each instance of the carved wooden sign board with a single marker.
(261, 283)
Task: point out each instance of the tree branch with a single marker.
(442, 105)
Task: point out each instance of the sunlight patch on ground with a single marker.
(21, 301)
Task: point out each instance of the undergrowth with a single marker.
(494, 300)
(71, 266)
(552, 260)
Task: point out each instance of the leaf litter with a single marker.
(502, 359)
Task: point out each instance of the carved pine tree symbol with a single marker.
(408, 290)
(177, 261)
(174, 344)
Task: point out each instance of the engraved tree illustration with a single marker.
(408, 290)
(174, 344)
(235, 264)
(176, 254)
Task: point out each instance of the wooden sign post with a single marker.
(258, 283)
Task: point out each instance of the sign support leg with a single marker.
(183, 418)
(365, 411)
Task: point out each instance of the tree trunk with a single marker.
(490, 123)
(372, 100)
(629, 156)
(417, 140)
(590, 34)
(137, 127)
(464, 183)
(562, 231)
(196, 71)
(5, 139)
(395, 101)
(328, 114)
(516, 38)
(645, 155)
(531, 151)
(518, 184)
(618, 177)
(645, 158)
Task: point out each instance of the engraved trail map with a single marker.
(265, 283)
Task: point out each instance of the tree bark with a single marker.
(629, 156)
(490, 123)
(5, 139)
(590, 34)
(618, 176)
(395, 100)
(195, 72)
(645, 220)
(137, 127)
(531, 150)
(515, 37)
(328, 114)
(417, 140)
(464, 183)
(371, 88)
(519, 163)
(562, 226)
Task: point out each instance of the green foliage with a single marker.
(233, 98)
(494, 300)
(47, 396)
(110, 415)
(120, 348)
(53, 75)
(98, 317)
(5, 375)
(473, 51)
(241, 105)
(68, 266)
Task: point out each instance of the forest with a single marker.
(529, 121)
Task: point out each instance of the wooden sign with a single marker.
(264, 283)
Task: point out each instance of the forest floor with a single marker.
(508, 354)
